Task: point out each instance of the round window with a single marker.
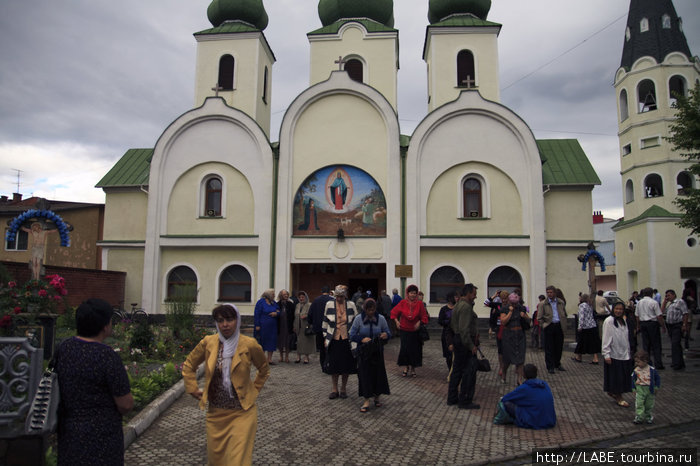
(631, 246)
(691, 242)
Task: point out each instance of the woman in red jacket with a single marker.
(408, 315)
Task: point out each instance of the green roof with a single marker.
(564, 162)
(652, 212)
(131, 170)
(229, 27)
(369, 24)
(463, 21)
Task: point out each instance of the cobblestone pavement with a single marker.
(298, 424)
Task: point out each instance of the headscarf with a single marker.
(230, 345)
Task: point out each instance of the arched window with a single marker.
(212, 197)
(646, 96)
(264, 95)
(684, 182)
(444, 280)
(471, 190)
(629, 191)
(504, 278)
(235, 284)
(182, 285)
(466, 72)
(354, 69)
(653, 187)
(644, 25)
(666, 22)
(624, 108)
(676, 88)
(226, 72)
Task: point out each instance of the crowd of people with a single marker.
(349, 334)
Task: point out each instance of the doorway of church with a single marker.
(312, 277)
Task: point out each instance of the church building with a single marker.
(341, 196)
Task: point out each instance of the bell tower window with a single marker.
(624, 110)
(646, 96)
(676, 88)
(466, 72)
(354, 69)
(226, 64)
(653, 187)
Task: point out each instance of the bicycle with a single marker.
(137, 315)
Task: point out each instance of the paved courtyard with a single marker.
(298, 424)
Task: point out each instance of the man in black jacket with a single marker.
(315, 318)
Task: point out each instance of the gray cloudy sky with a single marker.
(82, 81)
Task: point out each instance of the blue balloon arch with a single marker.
(16, 224)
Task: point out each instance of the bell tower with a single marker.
(234, 60)
(461, 51)
(656, 67)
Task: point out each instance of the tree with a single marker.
(685, 137)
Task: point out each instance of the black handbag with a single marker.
(309, 330)
(423, 333)
(43, 413)
(482, 364)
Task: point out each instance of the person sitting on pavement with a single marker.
(530, 405)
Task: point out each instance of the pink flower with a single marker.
(12, 284)
(43, 293)
(17, 309)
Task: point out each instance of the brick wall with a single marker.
(81, 283)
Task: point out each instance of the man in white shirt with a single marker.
(651, 323)
(677, 324)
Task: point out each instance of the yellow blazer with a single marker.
(248, 352)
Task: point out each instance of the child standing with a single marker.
(645, 379)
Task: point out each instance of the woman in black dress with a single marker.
(513, 318)
(444, 319)
(95, 391)
(337, 321)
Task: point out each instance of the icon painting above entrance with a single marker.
(339, 197)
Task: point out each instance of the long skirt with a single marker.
(411, 352)
(589, 342)
(617, 376)
(306, 344)
(371, 377)
(513, 344)
(231, 435)
(339, 358)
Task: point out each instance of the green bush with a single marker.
(142, 337)
(179, 312)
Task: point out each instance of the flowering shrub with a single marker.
(20, 304)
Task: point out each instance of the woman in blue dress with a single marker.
(266, 312)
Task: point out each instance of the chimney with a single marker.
(16, 197)
(597, 217)
(3, 199)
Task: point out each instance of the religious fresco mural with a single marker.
(339, 197)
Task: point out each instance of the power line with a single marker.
(563, 53)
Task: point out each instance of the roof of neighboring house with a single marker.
(11, 207)
(565, 162)
(131, 170)
(652, 212)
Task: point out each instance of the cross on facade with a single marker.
(216, 89)
(469, 82)
(340, 62)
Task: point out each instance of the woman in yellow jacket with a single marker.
(229, 394)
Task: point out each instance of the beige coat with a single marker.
(545, 313)
(248, 353)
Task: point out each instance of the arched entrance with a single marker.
(312, 277)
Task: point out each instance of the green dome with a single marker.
(439, 9)
(381, 11)
(250, 11)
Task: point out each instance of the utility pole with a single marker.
(18, 176)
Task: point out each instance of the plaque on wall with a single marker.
(403, 271)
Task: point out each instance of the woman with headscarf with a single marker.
(265, 318)
(616, 353)
(370, 331)
(337, 321)
(229, 394)
(588, 340)
(306, 344)
(513, 315)
(408, 315)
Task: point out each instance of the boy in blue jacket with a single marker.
(530, 405)
(644, 380)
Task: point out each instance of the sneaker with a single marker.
(650, 420)
(637, 420)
